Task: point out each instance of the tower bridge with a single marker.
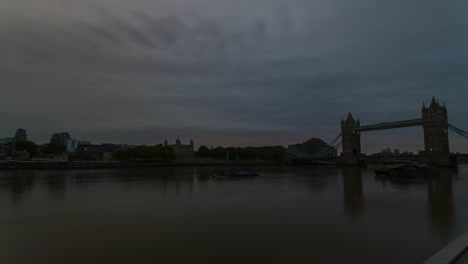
(434, 120)
(435, 126)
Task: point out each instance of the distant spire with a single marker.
(433, 103)
(424, 107)
(350, 120)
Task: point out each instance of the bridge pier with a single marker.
(436, 140)
(351, 142)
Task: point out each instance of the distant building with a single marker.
(21, 155)
(396, 151)
(89, 152)
(311, 146)
(182, 152)
(107, 156)
(6, 146)
(387, 151)
(60, 138)
(21, 134)
(72, 144)
(109, 147)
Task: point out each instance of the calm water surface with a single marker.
(182, 215)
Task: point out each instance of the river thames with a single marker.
(310, 214)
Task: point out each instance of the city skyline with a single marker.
(230, 74)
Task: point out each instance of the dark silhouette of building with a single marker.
(89, 152)
(60, 138)
(311, 146)
(351, 140)
(436, 139)
(6, 146)
(21, 134)
(305, 151)
(182, 152)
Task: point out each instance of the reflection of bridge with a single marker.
(436, 141)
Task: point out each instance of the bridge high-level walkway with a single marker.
(390, 125)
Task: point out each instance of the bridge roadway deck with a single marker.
(390, 125)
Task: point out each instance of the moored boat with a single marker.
(240, 173)
(244, 173)
(408, 171)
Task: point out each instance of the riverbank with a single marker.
(455, 252)
(35, 165)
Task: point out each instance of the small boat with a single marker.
(240, 173)
(408, 171)
(244, 173)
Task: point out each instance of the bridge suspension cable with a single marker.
(327, 151)
(460, 132)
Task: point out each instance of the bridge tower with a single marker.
(351, 141)
(436, 140)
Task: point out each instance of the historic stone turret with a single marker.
(436, 140)
(351, 141)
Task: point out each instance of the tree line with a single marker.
(158, 152)
(273, 153)
(145, 153)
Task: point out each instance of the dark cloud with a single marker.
(166, 30)
(233, 72)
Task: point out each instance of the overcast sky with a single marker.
(225, 72)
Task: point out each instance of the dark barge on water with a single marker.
(238, 174)
(408, 171)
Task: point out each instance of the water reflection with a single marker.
(287, 209)
(352, 189)
(18, 183)
(441, 205)
(56, 184)
(184, 181)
